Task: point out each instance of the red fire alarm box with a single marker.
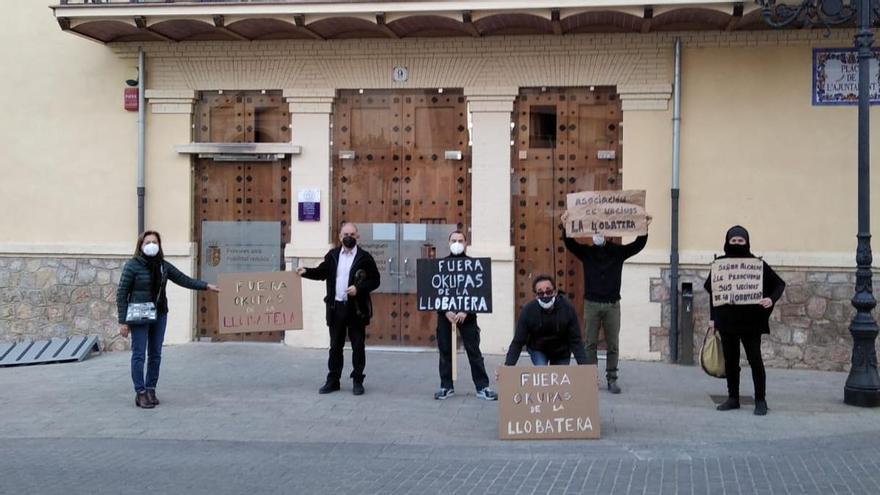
(131, 99)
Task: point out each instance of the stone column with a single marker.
(310, 111)
(490, 110)
(168, 201)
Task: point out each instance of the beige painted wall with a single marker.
(68, 147)
(756, 152)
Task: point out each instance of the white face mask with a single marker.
(150, 249)
(598, 240)
(456, 248)
(548, 304)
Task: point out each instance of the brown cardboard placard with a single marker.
(610, 213)
(737, 281)
(548, 402)
(259, 302)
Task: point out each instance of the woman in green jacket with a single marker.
(143, 279)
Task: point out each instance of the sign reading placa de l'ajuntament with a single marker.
(610, 213)
(547, 402)
(459, 284)
(260, 302)
(737, 281)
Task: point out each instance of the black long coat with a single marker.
(369, 281)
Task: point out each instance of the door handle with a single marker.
(391, 268)
(406, 267)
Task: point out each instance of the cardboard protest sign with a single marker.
(548, 402)
(455, 284)
(737, 281)
(610, 213)
(260, 302)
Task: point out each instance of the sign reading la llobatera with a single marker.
(455, 284)
(610, 213)
(548, 402)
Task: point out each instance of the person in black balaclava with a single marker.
(744, 323)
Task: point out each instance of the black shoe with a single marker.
(141, 400)
(729, 404)
(151, 396)
(328, 387)
(760, 408)
(613, 387)
(357, 388)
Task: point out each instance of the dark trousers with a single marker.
(470, 336)
(146, 341)
(345, 322)
(752, 344)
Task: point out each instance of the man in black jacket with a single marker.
(351, 275)
(470, 336)
(603, 268)
(548, 327)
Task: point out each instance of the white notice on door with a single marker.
(415, 232)
(384, 232)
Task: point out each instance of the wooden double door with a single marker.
(401, 172)
(565, 140)
(239, 191)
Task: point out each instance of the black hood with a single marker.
(737, 251)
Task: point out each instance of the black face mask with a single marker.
(736, 250)
(349, 242)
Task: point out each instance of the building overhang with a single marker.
(112, 21)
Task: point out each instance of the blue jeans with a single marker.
(147, 339)
(541, 359)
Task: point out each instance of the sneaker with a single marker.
(760, 408)
(729, 404)
(487, 394)
(444, 393)
(613, 387)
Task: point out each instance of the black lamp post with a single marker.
(863, 384)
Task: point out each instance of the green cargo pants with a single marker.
(608, 314)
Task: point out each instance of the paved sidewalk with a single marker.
(241, 418)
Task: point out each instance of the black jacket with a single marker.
(603, 266)
(369, 282)
(556, 333)
(134, 285)
(746, 318)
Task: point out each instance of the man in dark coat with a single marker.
(351, 275)
(470, 336)
(548, 327)
(603, 269)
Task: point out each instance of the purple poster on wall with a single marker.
(309, 208)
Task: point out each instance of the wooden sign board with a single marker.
(455, 284)
(548, 402)
(260, 302)
(610, 213)
(737, 281)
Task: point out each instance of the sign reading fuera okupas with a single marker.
(459, 284)
(548, 402)
(260, 302)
